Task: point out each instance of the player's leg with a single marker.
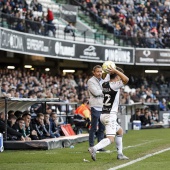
(110, 125)
(100, 132)
(119, 143)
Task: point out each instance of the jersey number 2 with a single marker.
(107, 100)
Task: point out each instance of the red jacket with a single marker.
(50, 15)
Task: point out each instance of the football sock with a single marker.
(118, 141)
(103, 143)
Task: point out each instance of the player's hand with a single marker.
(111, 70)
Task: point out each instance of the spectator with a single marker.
(11, 112)
(134, 96)
(155, 117)
(48, 125)
(11, 133)
(70, 29)
(55, 124)
(146, 118)
(163, 105)
(28, 126)
(50, 16)
(20, 127)
(20, 26)
(36, 6)
(11, 120)
(18, 114)
(39, 127)
(125, 98)
(136, 116)
(47, 121)
(4, 90)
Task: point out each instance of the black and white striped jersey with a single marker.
(111, 91)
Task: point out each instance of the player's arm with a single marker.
(107, 77)
(123, 77)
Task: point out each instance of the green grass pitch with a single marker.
(136, 144)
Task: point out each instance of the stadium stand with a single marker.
(137, 23)
(31, 16)
(126, 23)
(72, 88)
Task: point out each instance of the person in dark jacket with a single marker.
(11, 133)
(136, 116)
(20, 127)
(146, 118)
(70, 29)
(39, 127)
(28, 126)
(11, 120)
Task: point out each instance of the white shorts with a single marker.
(110, 123)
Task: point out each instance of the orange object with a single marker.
(83, 111)
(67, 130)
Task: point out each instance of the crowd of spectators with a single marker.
(141, 23)
(144, 22)
(21, 17)
(147, 116)
(30, 84)
(21, 126)
(69, 88)
(73, 88)
(147, 90)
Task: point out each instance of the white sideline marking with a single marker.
(139, 159)
(140, 144)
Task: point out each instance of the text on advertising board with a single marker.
(36, 45)
(11, 40)
(117, 55)
(64, 50)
